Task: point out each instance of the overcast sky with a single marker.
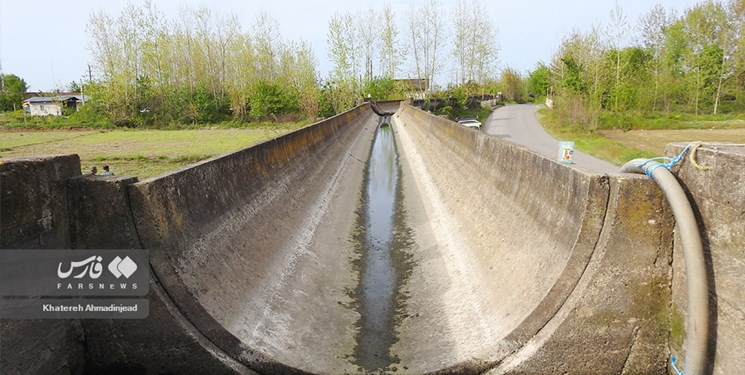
(45, 41)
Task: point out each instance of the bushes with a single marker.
(575, 112)
(271, 100)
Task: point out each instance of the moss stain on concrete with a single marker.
(677, 329)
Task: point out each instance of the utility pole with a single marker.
(82, 85)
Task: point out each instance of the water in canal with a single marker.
(378, 268)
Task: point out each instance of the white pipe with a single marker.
(693, 255)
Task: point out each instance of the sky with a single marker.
(47, 44)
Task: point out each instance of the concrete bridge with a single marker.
(401, 243)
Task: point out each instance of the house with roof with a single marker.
(53, 105)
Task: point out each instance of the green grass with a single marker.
(590, 142)
(636, 142)
(141, 153)
(21, 120)
(673, 121)
(12, 140)
(481, 113)
(599, 146)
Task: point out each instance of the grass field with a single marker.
(619, 146)
(654, 141)
(141, 153)
(147, 153)
(601, 147)
(637, 121)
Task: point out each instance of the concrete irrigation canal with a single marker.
(401, 243)
(379, 239)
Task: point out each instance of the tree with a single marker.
(474, 43)
(627, 93)
(652, 27)
(737, 16)
(382, 88)
(426, 29)
(342, 83)
(299, 77)
(513, 84)
(462, 43)
(199, 68)
(12, 88)
(340, 94)
(73, 87)
(577, 77)
(342, 48)
(266, 41)
(617, 32)
(708, 32)
(240, 75)
(672, 87)
(391, 53)
(539, 81)
(367, 31)
(688, 63)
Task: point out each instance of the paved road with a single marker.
(518, 124)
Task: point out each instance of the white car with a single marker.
(470, 122)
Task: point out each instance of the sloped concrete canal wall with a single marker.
(515, 263)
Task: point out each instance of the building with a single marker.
(53, 105)
(413, 88)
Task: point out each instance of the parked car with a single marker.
(469, 122)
